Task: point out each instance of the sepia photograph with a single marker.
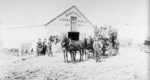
(74, 40)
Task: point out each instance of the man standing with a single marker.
(49, 48)
(44, 47)
(39, 47)
(97, 49)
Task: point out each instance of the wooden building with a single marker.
(70, 20)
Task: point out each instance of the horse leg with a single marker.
(81, 55)
(64, 55)
(103, 53)
(71, 54)
(74, 56)
(85, 54)
(91, 54)
(67, 56)
(51, 53)
(94, 54)
(98, 56)
(110, 51)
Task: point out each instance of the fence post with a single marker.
(20, 53)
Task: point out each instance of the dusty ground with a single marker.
(130, 64)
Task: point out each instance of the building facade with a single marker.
(70, 20)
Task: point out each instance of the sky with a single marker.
(133, 15)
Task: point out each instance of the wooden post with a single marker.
(20, 52)
(0, 37)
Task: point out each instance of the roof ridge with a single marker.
(59, 15)
(23, 27)
(65, 12)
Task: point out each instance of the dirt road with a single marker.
(130, 64)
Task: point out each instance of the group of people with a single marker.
(107, 37)
(44, 48)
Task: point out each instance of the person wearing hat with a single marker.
(39, 47)
(49, 47)
(44, 47)
(97, 49)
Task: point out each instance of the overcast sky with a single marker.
(115, 12)
(32, 12)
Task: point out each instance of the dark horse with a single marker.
(74, 47)
(84, 46)
(89, 46)
(65, 47)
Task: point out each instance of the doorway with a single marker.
(73, 23)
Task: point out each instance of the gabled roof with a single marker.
(22, 27)
(52, 20)
(65, 12)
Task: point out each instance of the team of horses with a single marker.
(85, 46)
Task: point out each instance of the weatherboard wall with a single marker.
(62, 24)
(13, 37)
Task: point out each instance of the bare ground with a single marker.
(129, 64)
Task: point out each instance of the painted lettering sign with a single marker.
(72, 13)
(63, 19)
(67, 19)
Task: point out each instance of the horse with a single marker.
(75, 46)
(84, 46)
(89, 46)
(65, 47)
